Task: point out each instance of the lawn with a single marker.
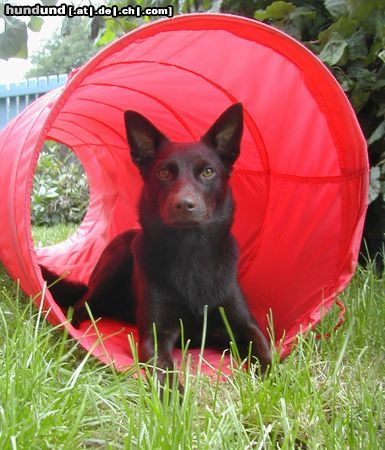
(328, 393)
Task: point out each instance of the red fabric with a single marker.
(300, 183)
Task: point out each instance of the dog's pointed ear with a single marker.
(143, 138)
(225, 135)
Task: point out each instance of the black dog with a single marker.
(185, 256)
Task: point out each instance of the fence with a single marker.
(15, 97)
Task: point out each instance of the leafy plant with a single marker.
(106, 29)
(60, 190)
(14, 37)
(64, 51)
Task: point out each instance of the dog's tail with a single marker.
(66, 293)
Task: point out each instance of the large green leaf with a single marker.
(333, 51)
(344, 27)
(302, 11)
(13, 41)
(357, 45)
(374, 183)
(337, 8)
(23, 51)
(35, 23)
(106, 37)
(215, 6)
(277, 10)
(377, 134)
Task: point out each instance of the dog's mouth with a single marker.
(183, 217)
(183, 224)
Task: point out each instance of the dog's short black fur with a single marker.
(185, 256)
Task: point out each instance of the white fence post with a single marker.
(15, 97)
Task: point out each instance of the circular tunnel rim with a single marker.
(152, 29)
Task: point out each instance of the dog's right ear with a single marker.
(225, 135)
(143, 138)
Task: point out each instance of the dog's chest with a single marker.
(193, 276)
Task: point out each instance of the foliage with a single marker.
(60, 190)
(64, 52)
(106, 29)
(349, 36)
(14, 39)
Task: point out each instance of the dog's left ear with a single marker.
(225, 135)
(143, 138)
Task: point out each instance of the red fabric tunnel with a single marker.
(300, 184)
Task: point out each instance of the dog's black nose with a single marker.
(185, 204)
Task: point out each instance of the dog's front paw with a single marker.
(80, 314)
(167, 379)
(264, 358)
(167, 376)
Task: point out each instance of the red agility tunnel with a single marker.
(300, 184)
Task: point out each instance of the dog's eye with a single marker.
(163, 173)
(207, 172)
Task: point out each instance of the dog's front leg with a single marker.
(159, 328)
(158, 349)
(246, 330)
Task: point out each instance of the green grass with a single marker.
(44, 236)
(328, 393)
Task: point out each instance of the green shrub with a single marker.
(60, 190)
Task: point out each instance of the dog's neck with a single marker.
(189, 253)
(211, 235)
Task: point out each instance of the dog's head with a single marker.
(186, 183)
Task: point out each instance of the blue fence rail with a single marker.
(14, 97)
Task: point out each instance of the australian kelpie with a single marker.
(184, 257)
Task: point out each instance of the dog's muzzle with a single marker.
(184, 210)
